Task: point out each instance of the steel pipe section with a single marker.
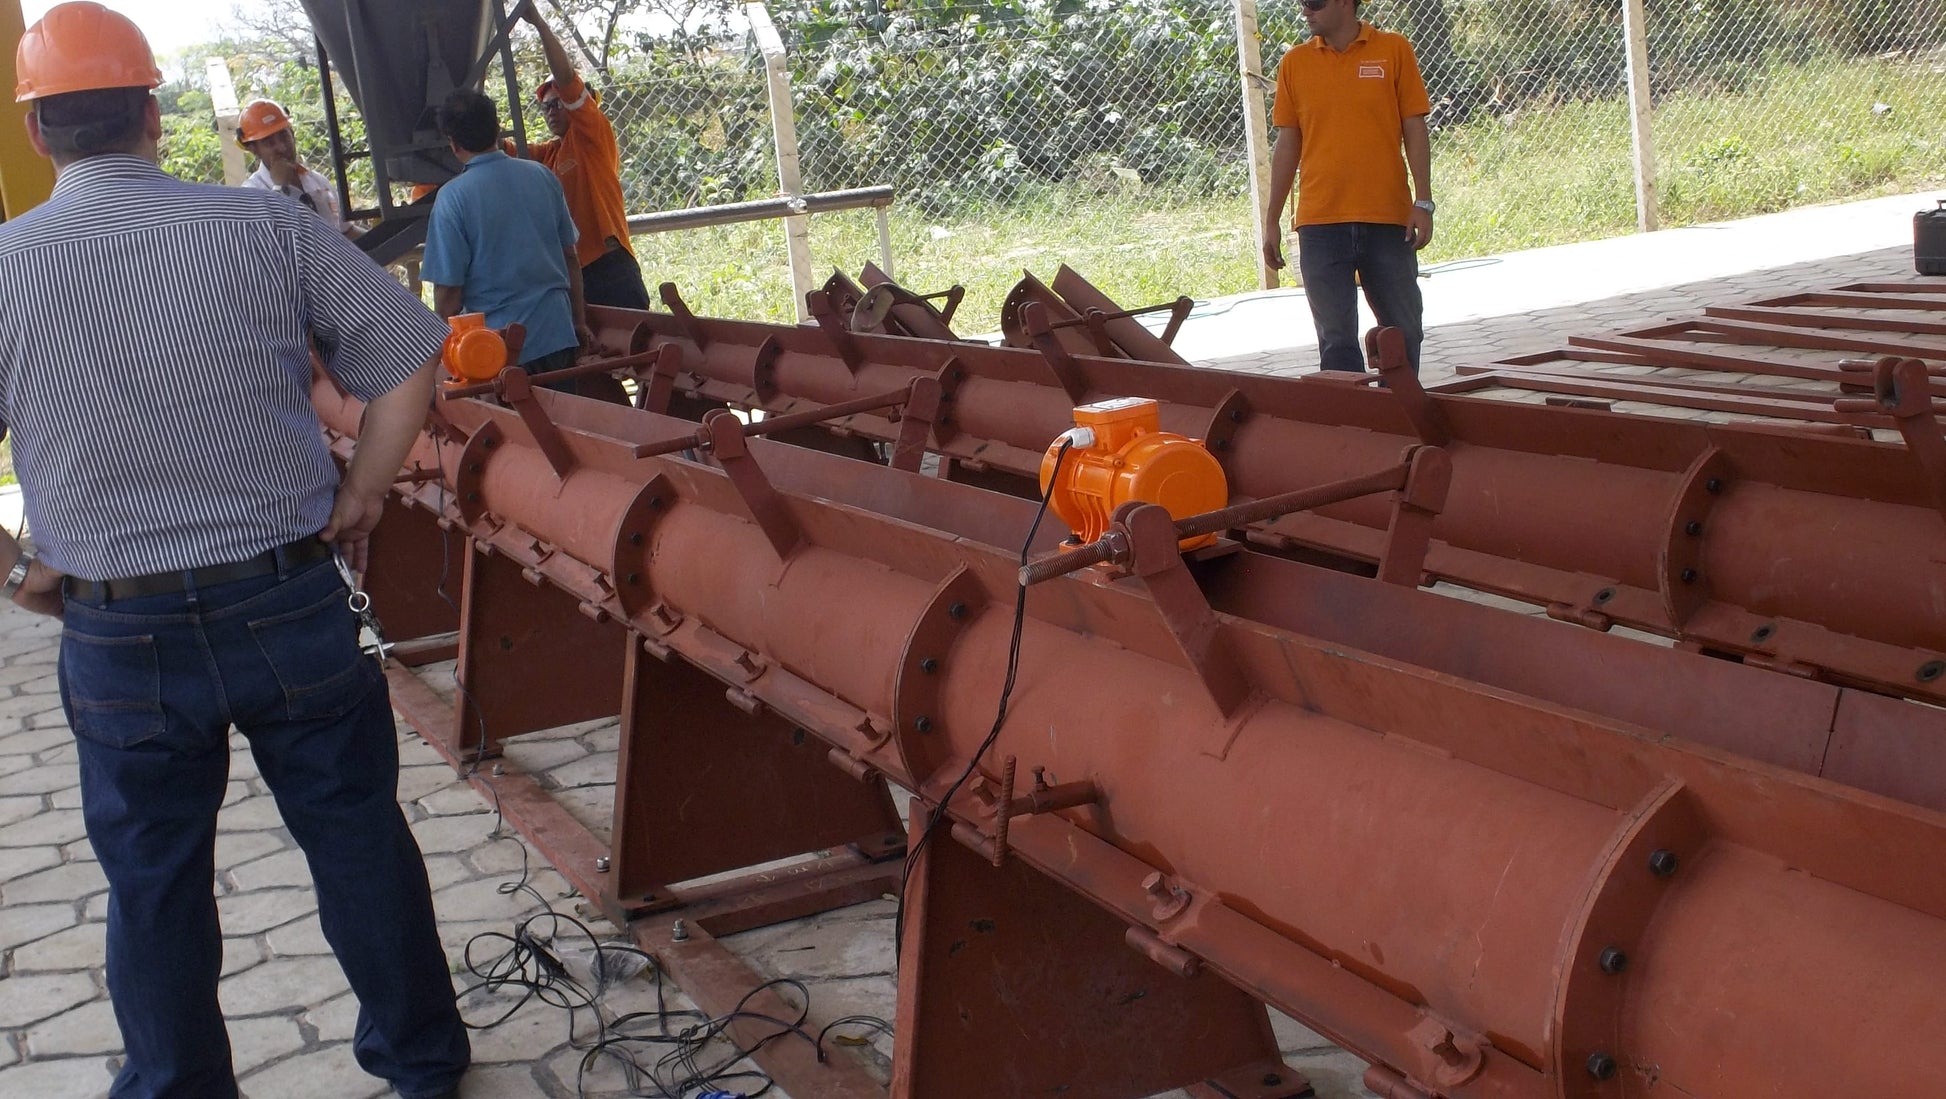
(1816, 554)
(1459, 863)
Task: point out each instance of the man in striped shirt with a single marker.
(155, 368)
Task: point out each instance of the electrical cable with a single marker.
(1000, 715)
(531, 966)
(528, 965)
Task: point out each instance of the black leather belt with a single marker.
(301, 552)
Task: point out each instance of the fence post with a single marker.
(1635, 32)
(222, 94)
(783, 122)
(1256, 130)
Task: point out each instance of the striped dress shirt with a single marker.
(155, 366)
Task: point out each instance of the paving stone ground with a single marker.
(290, 1014)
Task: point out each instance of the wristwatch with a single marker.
(1425, 204)
(17, 576)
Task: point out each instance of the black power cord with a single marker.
(1000, 715)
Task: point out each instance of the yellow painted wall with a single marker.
(26, 177)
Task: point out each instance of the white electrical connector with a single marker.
(1079, 437)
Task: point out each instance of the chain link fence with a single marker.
(692, 121)
(1024, 133)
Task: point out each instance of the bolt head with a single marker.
(1692, 528)
(1689, 576)
(1931, 670)
(1271, 1079)
(1662, 862)
(928, 665)
(1713, 486)
(956, 611)
(601, 865)
(1601, 1066)
(1613, 960)
(922, 723)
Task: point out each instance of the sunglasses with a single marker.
(1315, 5)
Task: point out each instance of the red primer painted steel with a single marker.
(1426, 854)
(1835, 543)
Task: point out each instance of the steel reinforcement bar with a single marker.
(1492, 855)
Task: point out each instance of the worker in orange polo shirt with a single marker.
(1349, 102)
(588, 163)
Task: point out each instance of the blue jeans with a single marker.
(1386, 265)
(152, 686)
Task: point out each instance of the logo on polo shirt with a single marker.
(1371, 70)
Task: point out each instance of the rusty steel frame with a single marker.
(1536, 879)
(1578, 515)
(1786, 322)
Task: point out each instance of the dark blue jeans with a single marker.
(1388, 268)
(152, 686)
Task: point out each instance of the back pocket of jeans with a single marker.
(314, 654)
(112, 687)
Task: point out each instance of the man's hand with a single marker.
(585, 336)
(1418, 228)
(40, 592)
(352, 518)
(1274, 246)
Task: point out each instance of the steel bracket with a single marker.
(1386, 348)
(768, 507)
(832, 324)
(1901, 389)
(679, 309)
(1156, 556)
(916, 422)
(517, 389)
(1429, 474)
(1060, 362)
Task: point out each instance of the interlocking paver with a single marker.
(18, 862)
(89, 1028)
(235, 847)
(259, 1041)
(284, 868)
(66, 1078)
(74, 948)
(62, 883)
(334, 1019)
(299, 938)
(261, 910)
(281, 984)
(27, 999)
(326, 1072)
(23, 923)
(249, 815)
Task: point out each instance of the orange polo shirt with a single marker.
(1350, 108)
(589, 166)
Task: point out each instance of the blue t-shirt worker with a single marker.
(501, 241)
(156, 344)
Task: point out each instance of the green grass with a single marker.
(1551, 175)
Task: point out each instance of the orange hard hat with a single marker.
(260, 119)
(82, 47)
